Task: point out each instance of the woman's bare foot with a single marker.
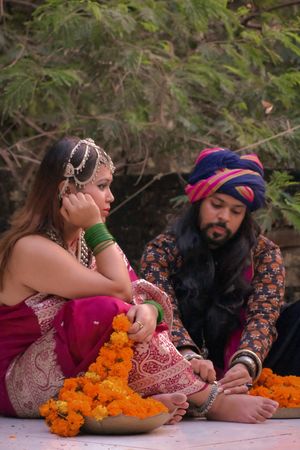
(176, 404)
(242, 408)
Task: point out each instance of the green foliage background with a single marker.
(151, 81)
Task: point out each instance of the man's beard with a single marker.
(215, 239)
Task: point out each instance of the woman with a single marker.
(62, 281)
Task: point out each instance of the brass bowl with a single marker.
(122, 424)
(287, 413)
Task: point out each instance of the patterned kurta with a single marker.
(161, 258)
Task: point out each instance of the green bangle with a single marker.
(160, 311)
(97, 234)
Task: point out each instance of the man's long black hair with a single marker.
(210, 284)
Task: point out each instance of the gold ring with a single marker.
(140, 324)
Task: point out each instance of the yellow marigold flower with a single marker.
(119, 339)
(62, 407)
(99, 412)
(93, 376)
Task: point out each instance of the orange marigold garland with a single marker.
(102, 391)
(284, 389)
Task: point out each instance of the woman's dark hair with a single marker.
(210, 285)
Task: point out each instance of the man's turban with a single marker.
(221, 170)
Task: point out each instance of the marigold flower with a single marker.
(119, 339)
(283, 389)
(103, 390)
(99, 412)
(121, 323)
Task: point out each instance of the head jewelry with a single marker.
(72, 172)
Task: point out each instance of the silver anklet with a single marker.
(201, 411)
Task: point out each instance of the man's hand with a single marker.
(204, 368)
(236, 380)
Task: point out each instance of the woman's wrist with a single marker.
(97, 234)
(159, 309)
(92, 224)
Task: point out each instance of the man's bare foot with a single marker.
(176, 404)
(242, 408)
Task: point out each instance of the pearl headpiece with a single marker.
(73, 172)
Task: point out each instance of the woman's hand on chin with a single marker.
(143, 319)
(80, 210)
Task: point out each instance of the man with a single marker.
(225, 280)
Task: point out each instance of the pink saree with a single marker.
(46, 338)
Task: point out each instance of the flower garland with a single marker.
(285, 390)
(102, 391)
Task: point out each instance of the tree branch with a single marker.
(23, 2)
(33, 138)
(275, 136)
(155, 178)
(272, 8)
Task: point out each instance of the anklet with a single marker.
(202, 410)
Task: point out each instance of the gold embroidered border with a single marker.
(45, 308)
(159, 368)
(34, 377)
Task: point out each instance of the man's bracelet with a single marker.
(248, 363)
(250, 360)
(190, 356)
(160, 311)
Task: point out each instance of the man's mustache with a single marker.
(217, 224)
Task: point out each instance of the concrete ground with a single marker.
(274, 434)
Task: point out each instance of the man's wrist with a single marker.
(191, 355)
(250, 360)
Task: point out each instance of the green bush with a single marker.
(153, 81)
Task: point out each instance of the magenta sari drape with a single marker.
(45, 339)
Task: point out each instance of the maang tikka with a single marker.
(72, 172)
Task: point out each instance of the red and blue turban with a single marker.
(221, 170)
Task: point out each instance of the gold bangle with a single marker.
(100, 247)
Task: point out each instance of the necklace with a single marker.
(83, 253)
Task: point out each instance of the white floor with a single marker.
(275, 434)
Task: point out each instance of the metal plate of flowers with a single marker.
(287, 413)
(124, 424)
